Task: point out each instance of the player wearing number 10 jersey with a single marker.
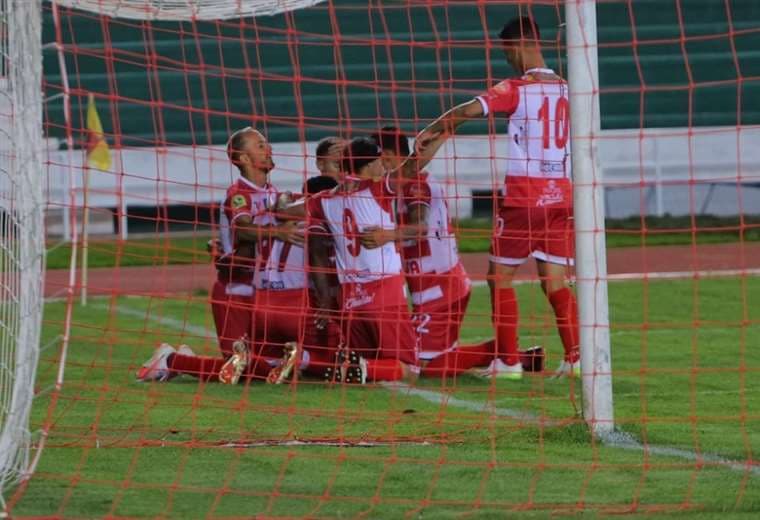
(535, 217)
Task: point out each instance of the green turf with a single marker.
(161, 250)
(686, 376)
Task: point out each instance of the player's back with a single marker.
(346, 215)
(538, 156)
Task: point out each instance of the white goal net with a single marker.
(22, 246)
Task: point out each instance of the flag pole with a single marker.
(85, 219)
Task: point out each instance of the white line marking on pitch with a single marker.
(482, 407)
(622, 440)
(626, 441)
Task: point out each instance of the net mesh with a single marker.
(680, 176)
(22, 239)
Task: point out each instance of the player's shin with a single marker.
(566, 311)
(505, 318)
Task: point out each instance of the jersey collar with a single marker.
(253, 186)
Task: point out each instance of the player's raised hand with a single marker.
(424, 139)
(290, 232)
(375, 236)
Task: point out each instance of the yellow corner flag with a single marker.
(98, 154)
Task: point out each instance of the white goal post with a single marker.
(591, 252)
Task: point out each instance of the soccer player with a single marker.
(535, 218)
(283, 312)
(438, 282)
(232, 293)
(373, 308)
(374, 313)
(328, 156)
(439, 285)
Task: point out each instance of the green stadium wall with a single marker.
(342, 67)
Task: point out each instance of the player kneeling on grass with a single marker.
(438, 282)
(380, 343)
(231, 307)
(373, 309)
(249, 196)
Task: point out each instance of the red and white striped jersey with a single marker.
(279, 265)
(538, 159)
(244, 198)
(436, 253)
(345, 215)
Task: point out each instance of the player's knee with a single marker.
(550, 285)
(499, 277)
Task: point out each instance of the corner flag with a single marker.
(98, 154)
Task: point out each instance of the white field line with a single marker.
(626, 441)
(618, 439)
(487, 407)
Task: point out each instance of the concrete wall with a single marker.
(651, 171)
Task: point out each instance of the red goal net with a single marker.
(151, 234)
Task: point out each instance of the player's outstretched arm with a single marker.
(448, 123)
(429, 140)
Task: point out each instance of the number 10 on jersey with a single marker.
(561, 119)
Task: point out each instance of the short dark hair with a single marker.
(359, 153)
(520, 28)
(235, 144)
(324, 145)
(391, 138)
(318, 183)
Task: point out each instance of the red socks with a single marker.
(504, 316)
(384, 370)
(461, 359)
(566, 312)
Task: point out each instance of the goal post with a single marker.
(22, 246)
(591, 255)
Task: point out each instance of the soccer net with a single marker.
(141, 98)
(22, 234)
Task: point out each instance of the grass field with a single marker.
(473, 236)
(687, 377)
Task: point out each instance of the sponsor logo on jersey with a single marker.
(359, 296)
(552, 195)
(276, 285)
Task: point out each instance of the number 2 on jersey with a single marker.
(561, 122)
(352, 232)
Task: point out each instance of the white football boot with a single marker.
(156, 369)
(500, 370)
(567, 369)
